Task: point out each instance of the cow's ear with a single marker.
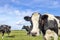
(44, 16)
(27, 18)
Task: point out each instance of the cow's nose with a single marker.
(34, 33)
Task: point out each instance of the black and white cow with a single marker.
(5, 29)
(35, 22)
(27, 28)
(46, 23)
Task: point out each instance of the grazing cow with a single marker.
(48, 24)
(5, 29)
(27, 28)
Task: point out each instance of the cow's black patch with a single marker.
(59, 28)
(48, 24)
(58, 17)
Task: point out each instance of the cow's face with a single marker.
(34, 19)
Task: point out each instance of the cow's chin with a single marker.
(35, 35)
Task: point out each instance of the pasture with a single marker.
(20, 35)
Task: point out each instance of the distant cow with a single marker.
(5, 29)
(27, 28)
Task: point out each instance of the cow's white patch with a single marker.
(50, 34)
(35, 21)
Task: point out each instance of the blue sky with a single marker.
(13, 11)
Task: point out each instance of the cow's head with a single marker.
(35, 20)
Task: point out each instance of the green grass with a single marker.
(20, 35)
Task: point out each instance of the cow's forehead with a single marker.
(35, 14)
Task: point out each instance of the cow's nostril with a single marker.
(34, 34)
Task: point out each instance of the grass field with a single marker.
(20, 35)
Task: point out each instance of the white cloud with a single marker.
(7, 9)
(22, 22)
(21, 15)
(12, 16)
